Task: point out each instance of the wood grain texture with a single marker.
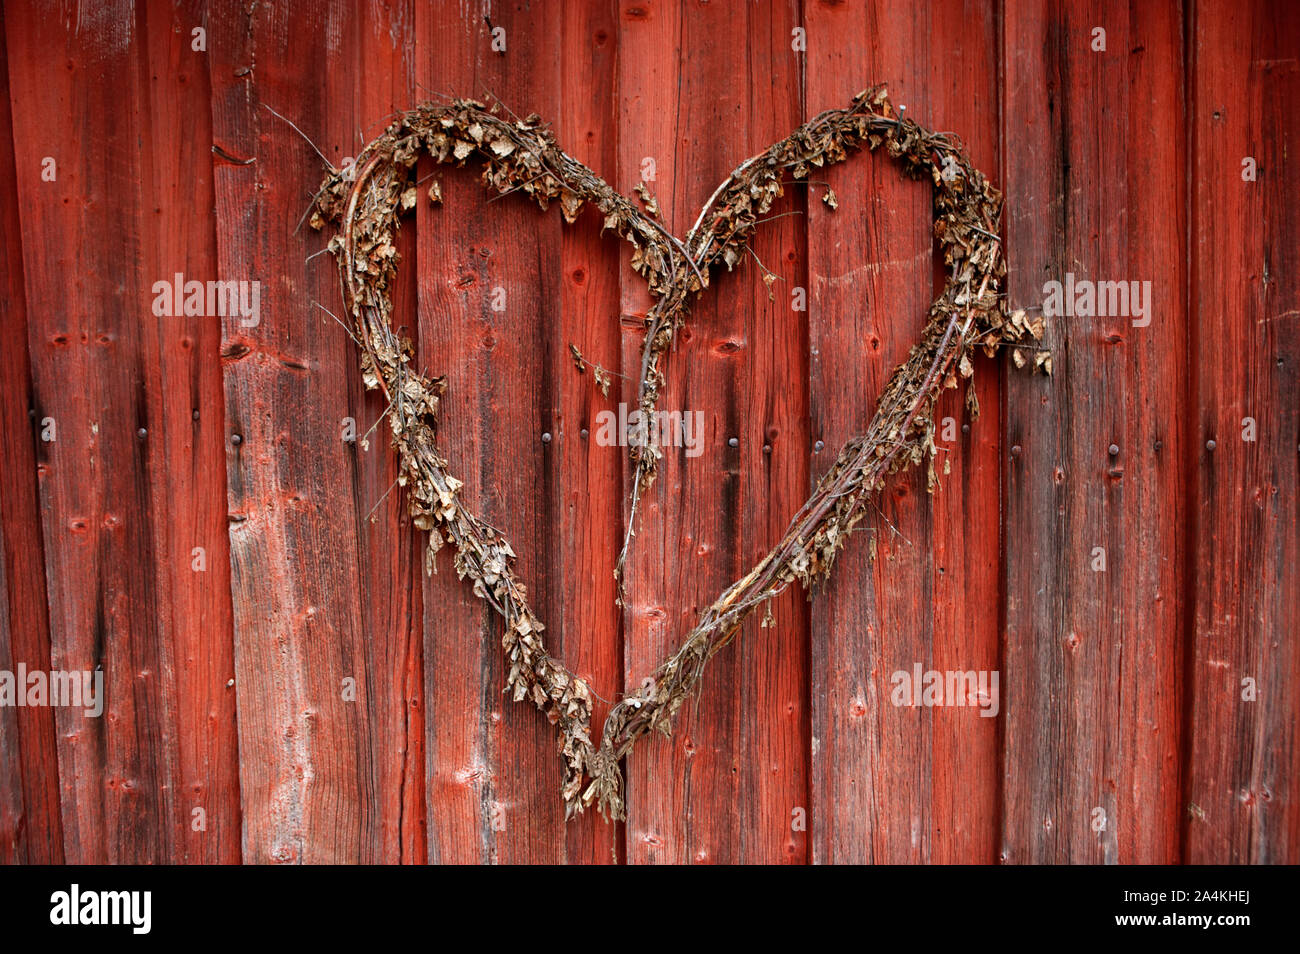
(870, 265)
(1095, 169)
(390, 554)
(315, 757)
(230, 687)
(30, 822)
(118, 481)
(930, 596)
(963, 93)
(1243, 797)
(588, 482)
(725, 786)
(491, 279)
(186, 462)
(84, 559)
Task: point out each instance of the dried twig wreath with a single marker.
(522, 156)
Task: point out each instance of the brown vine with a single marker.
(520, 155)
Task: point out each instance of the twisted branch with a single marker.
(521, 156)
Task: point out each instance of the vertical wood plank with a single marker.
(700, 89)
(30, 823)
(98, 562)
(382, 68)
(871, 273)
(494, 774)
(322, 770)
(1243, 798)
(1094, 159)
(963, 96)
(117, 524)
(182, 382)
(901, 784)
(588, 481)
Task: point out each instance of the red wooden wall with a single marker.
(1121, 690)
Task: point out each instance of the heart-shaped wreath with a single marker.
(366, 199)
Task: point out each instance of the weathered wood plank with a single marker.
(30, 823)
(91, 254)
(588, 481)
(1243, 796)
(74, 484)
(963, 95)
(1094, 158)
(897, 784)
(319, 767)
(382, 71)
(186, 462)
(695, 101)
(491, 279)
